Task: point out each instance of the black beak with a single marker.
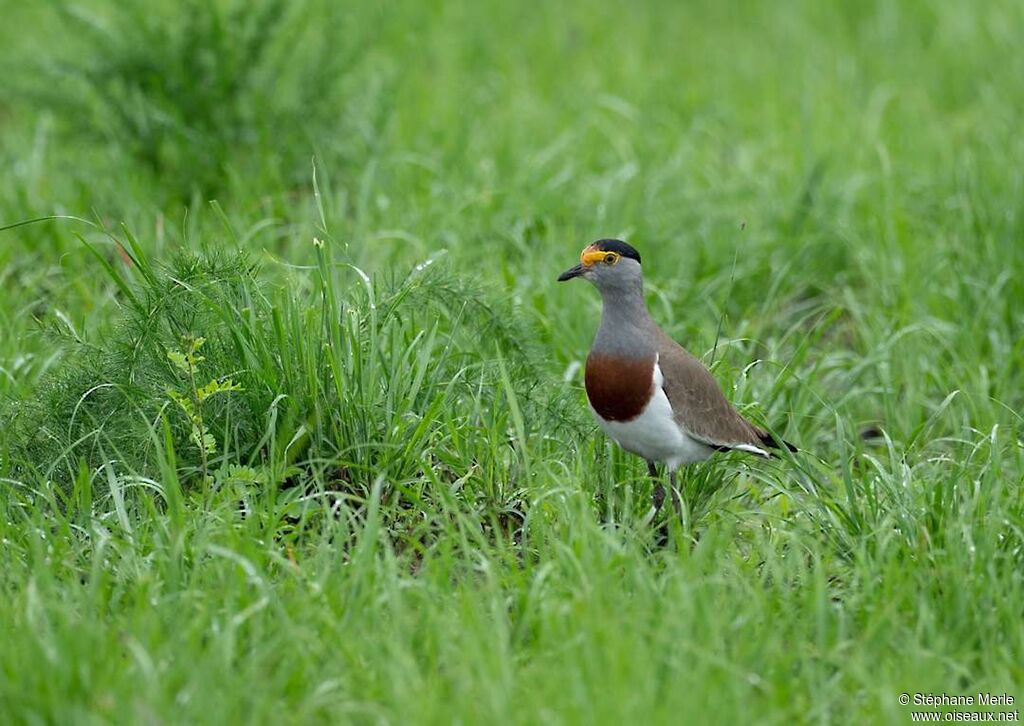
(571, 273)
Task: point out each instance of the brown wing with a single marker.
(699, 406)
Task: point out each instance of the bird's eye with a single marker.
(610, 258)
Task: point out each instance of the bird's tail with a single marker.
(776, 443)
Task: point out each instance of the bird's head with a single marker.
(609, 264)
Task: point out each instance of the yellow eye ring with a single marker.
(611, 258)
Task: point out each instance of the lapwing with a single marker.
(648, 393)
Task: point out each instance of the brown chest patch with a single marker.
(619, 388)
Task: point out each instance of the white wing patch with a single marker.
(750, 449)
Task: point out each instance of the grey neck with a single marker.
(626, 326)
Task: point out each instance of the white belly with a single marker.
(654, 434)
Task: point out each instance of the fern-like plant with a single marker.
(191, 400)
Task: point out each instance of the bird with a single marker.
(648, 393)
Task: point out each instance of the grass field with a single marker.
(292, 425)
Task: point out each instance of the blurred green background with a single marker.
(832, 190)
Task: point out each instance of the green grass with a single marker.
(401, 510)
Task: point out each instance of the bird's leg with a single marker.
(677, 505)
(676, 502)
(658, 495)
(664, 529)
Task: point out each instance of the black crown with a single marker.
(617, 245)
